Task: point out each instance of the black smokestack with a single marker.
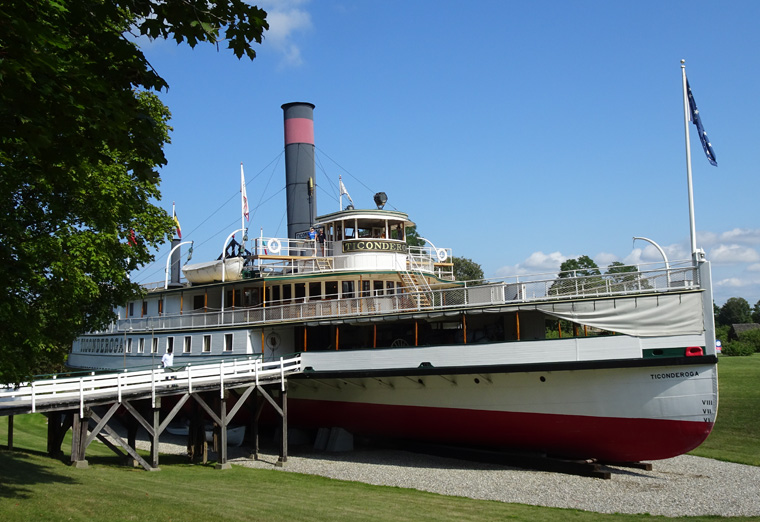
(299, 167)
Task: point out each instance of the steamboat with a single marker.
(618, 367)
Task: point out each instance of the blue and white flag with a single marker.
(697, 121)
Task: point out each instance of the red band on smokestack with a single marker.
(299, 130)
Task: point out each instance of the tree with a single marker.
(583, 267)
(466, 269)
(756, 313)
(735, 311)
(81, 136)
(413, 237)
(623, 278)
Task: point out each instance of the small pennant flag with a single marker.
(176, 224)
(697, 121)
(245, 197)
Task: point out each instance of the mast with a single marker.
(686, 119)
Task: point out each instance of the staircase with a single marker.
(418, 288)
(324, 264)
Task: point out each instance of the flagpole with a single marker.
(686, 111)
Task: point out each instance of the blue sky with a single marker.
(519, 134)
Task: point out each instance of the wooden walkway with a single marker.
(88, 404)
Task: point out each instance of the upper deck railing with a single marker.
(623, 281)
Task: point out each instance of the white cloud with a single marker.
(286, 18)
(754, 267)
(745, 236)
(733, 254)
(536, 263)
(733, 282)
(604, 259)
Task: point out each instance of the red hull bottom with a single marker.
(612, 439)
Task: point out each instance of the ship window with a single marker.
(160, 306)
(349, 232)
(170, 344)
(347, 289)
(276, 293)
(141, 345)
(365, 288)
(390, 287)
(188, 347)
(129, 345)
(300, 291)
(144, 308)
(131, 309)
(378, 288)
(199, 302)
(287, 291)
(331, 289)
(154, 345)
(250, 296)
(206, 343)
(315, 291)
(228, 342)
(365, 232)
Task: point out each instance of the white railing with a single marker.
(515, 290)
(56, 390)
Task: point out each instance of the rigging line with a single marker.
(274, 160)
(346, 171)
(330, 182)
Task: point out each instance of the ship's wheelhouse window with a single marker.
(365, 232)
(349, 232)
(206, 343)
(228, 342)
(144, 308)
(154, 345)
(188, 346)
(129, 345)
(390, 287)
(331, 289)
(199, 301)
(347, 290)
(170, 344)
(141, 345)
(377, 287)
(315, 291)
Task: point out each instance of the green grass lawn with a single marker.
(736, 435)
(34, 487)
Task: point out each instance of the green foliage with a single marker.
(756, 313)
(466, 269)
(735, 311)
(81, 137)
(623, 278)
(413, 237)
(738, 348)
(582, 267)
(751, 337)
(721, 332)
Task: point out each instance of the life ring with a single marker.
(274, 245)
(441, 255)
(273, 340)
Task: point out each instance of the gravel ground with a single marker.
(680, 486)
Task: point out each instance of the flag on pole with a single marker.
(697, 121)
(176, 224)
(244, 196)
(343, 190)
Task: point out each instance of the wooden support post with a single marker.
(10, 432)
(79, 439)
(284, 442)
(156, 433)
(222, 450)
(132, 426)
(517, 323)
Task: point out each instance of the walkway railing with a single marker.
(50, 392)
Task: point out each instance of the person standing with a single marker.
(321, 238)
(168, 358)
